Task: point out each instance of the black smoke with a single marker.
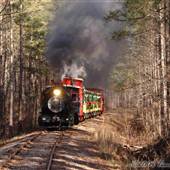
(79, 41)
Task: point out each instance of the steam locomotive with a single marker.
(69, 103)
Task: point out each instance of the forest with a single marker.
(138, 81)
(141, 79)
(23, 69)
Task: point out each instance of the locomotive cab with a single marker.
(75, 102)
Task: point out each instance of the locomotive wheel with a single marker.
(100, 113)
(71, 120)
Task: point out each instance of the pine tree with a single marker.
(148, 29)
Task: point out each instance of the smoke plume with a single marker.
(79, 41)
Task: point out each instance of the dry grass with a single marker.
(111, 141)
(122, 137)
(109, 146)
(104, 138)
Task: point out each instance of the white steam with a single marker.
(74, 70)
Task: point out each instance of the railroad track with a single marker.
(58, 141)
(51, 139)
(17, 148)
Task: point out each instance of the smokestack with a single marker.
(79, 42)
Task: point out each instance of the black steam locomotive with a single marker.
(57, 108)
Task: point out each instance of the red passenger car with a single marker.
(89, 100)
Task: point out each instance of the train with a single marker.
(68, 103)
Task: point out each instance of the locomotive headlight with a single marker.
(57, 92)
(44, 118)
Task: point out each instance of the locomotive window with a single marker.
(74, 97)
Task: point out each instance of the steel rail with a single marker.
(49, 165)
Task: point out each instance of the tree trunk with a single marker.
(11, 73)
(163, 70)
(21, 63)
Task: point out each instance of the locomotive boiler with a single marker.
(69, 103)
